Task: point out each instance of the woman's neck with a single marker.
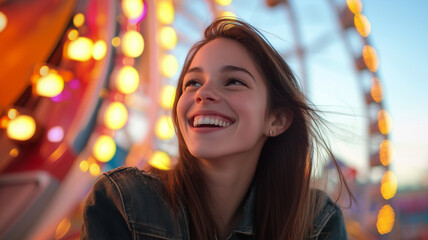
(228, 182)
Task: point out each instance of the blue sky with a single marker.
(399, 34)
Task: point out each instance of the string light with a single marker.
(50, 85)
(78, 20)
(63, 228)
(385, 152)
(355, 6)
(167, 96)
(116, 115)
(370, 58)
(132, 9)
(168, 37)
(104, 148)
(362, 25)
(164, 128)
(84, 166)
(169, 65)
(99, 50)
(132, 44)
(385, 219)
(165, 12)
(21, 128)
(127, 80)
(384, 122)
(80, 49)
(223, 2)
(3, 21)
(160, 160)
(388, 185)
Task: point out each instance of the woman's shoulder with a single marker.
(329, 222)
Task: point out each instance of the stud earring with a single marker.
(270, 133)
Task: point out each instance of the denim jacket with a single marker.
(127, 203)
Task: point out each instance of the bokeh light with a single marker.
(355, 6)
(384, 122)
(164, 128)
(94, 169)
(376, 90)
(56, 134)
(227, 14)
(50, 85)
(362, 25)
(80, 49)
(116, 115)
(169, 65)
(21, 128)
(44, 70)
(165, 12)
(132, 9)
(127, 80)
(99, 50)
(3, 21)
(84, 166)
(73, 34)
(12, 113)
(4, 121)
(104, 148)
(14, 152)
(167, 37)
(63, 228)
(167, 96)
(370, 58)
(388, 187)
(78, 20)
(160, 160)
(132, 44)
(223, 2)
(385, 152)
(385, 219)
(115, 42)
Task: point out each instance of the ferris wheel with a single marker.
(112, 101)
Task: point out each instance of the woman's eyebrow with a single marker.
(231, 68)
(226, 68)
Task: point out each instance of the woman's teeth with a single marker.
(198, 121)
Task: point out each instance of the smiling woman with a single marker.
(246, 140)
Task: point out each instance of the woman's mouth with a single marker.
(213, 121)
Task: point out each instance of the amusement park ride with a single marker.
(87, 86)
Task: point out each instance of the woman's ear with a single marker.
(279, 122)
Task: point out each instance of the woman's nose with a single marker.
(207, 93)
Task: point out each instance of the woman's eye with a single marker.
(191, 83)
(235, 81)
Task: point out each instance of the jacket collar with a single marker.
(246, 224)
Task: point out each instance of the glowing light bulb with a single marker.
(12, 113)
(63, 228)
(362, 25)
(78, 19)
(169, 65)
(94, 169)
(167, 96)
(384, 122)
(84, 166)
(21, 128)
(44, 70)
(50, 85)
(132, 44)
(80, 49)
(3, 21)
(355, 6)
(388, 185)
(115, 42)
(104, 148)
(227, 14)
(385, 219)
(73, 34)
(116, 115)
(165, 128)
(165, 12)
(56, 134)
(127, 80)
(370, 58)
(99, 50)
(376, 90)
(168, 37)
(132, 9)
(160, 160)
(223, 2)
(385, 152)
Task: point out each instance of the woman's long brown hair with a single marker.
(285, 205)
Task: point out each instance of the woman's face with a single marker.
(223, 109)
